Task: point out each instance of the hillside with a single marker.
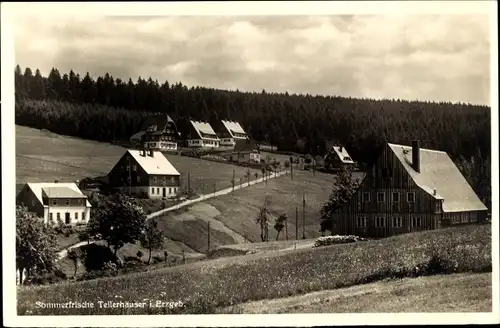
(45, 156)
(210, 285)
(443, 293)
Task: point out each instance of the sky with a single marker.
(413, 57)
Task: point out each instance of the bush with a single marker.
(333, 240)
(46, 278)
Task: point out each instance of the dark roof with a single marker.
(157, 123)
(440, 178)
(245, 145)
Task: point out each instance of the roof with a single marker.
(157, 122)
(56, 190)
(342, 154)
(137, 136)
(233, 127)
(203, 128)
(245, 145)
(440, 178)
(156, 164)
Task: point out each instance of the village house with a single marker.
(56, 202)
(159, 132)
(337, 158)
(201, 135)
(145, 173)
(409, 189)
(229, 132)
(245, 151)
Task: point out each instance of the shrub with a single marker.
(333, 240)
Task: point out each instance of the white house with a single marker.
(231, 131)
(56, 202)
(202, 135)
(145, 173)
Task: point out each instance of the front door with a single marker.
(164, 192)
(67, 218)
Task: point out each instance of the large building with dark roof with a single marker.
(409, 189)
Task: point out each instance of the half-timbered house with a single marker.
(159, 132)
(409, 189)
(145, 173)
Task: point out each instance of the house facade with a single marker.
(159, 132)
(202, 135)
(409, 189)
(229, 132)
(145, 173)
(56, 202)
(337, 158)
(245, 151)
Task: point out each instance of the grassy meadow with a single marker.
(211, 285)
(44, 156)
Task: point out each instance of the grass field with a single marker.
(441, 293)
(45, 156)
(206, 286)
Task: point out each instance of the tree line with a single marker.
(111, 109)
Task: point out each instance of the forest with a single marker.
(111, 110)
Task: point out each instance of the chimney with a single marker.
(340, 149)
(435, 192)
(56, 181)
(151, 153)
(415, 152)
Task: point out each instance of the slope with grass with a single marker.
(234, 214)
(442, 293)
(206, 286)
(45, 156)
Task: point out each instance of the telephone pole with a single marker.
(208, 248)
(303, 216)
(189, 185)
(296, 222)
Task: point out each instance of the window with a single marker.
(67, 202)
(58, 216)
(366, 197)
(397, 222)
(395, 197)
(381, 197)
(379, 222)
(134, 167)
(169, 191)
(172, 179)
(154, 179)
(54, 202)
(152, 191)
(361, 222)
(416, 222)
(32, 202)
(410, 197)
(83, 216)
(76, 215)
(51, 217)
(67, 218)
(473, 217)
(138, 179)
(158, 191)
(465, 218)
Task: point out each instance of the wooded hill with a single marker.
(109, 109)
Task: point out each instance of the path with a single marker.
(61, 254)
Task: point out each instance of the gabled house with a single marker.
(201, 135)
(229, 132)
(159, 132)
(245, 151)
(145, 173)
(409, 189)
(337, 158)
(56, 202)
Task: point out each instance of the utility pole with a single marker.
(208, 248)
(296, 222)
(189, 185)
(234, 177)
(215, 188)
(303, 216)
(291, 167)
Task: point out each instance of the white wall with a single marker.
(161, 145)
(227, 142)
(157, 193)
(62, 210)
(203, 143)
